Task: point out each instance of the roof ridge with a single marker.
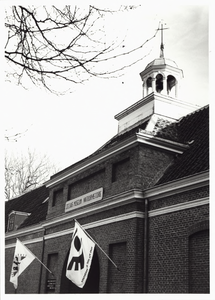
(27, 192)
(193, 112)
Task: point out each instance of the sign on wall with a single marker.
(85, 199)
(50, 285)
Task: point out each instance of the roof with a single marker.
(162, 61)
(192, 129)
(192, 126)
(31, 202)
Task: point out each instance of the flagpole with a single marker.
(37, 258)
(97, 245)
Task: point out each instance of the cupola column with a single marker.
(164, 85)
(144, 89)
(153, 85)
(176, 90)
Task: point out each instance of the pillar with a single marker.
(153, 85)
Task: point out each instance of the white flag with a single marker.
(22, 259)
(80, 257)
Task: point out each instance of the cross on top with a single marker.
(162, 45)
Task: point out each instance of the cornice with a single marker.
(142, 138)
(188, 183)
(20, 213)
(161, 143)
(24, 231)
(177, 186)
(119, 218)
(153, 97)
(91, 161)
(179, 207)
(135, 106)
(100, 206)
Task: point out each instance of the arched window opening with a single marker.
(171, 82)
(149, 85)
(199, 262)
(159, 83)
(92, 283)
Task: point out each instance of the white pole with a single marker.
(36, 258)
(97, 245)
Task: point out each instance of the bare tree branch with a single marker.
(50, 43)
(26, 172)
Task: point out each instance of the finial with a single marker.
(162, 44)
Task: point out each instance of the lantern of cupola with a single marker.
(162, 76)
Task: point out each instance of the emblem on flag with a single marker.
(22, 259)
(80, 257)
(16, 263)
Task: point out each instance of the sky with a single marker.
(68, 128)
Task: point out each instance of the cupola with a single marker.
(162, 75)
(161, 86)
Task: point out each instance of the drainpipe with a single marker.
(145, 249)
(41, 268)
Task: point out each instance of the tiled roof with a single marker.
(192, 129)
(31, 202)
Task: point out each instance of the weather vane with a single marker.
(162, 44)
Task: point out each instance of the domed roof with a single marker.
(162, 61)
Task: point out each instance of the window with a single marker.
(87, 184)
(11, 222)
(15, 219)
(120, 169)
(57, 197)
(50, 280)
(159, 83)
(116, 282)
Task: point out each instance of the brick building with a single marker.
(143, 197)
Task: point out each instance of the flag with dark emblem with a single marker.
(80, 257)
(23, 257)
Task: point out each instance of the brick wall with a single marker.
(127, 232)
(28, 281)
(168, 258)
(139, 167)
(199, 262)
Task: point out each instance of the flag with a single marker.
(22, 259)
(80, 257)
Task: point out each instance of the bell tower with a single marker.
(161, 80)
(162, 75)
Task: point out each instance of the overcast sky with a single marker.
(71, 127)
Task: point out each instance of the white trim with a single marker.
(105, 204)
(122, 217)
(179, 207)
(24, 231)
(45, 200)
(161, 191)
(20, 213)
(37, 240)
(127, 216)
(169, 145)
(91, 161)
(180, 185)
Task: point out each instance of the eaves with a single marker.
(177, 186)
(138, 138)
